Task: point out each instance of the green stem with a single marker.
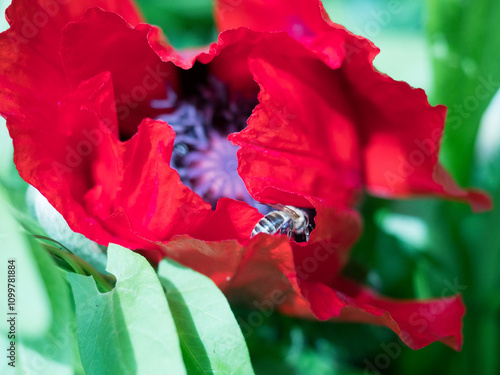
(67, 257)
(104, 282)
(54, 241)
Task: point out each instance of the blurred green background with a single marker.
(410, 249)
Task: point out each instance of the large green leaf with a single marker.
(44, 329)
(56, 227)
(128, 330)
(29, 281)
(485, 324)
(465, 41)
(211, 340)
(51, 354)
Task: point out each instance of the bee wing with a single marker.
(278, 207)
(286, 209)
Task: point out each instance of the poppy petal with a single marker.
(417, 323)
(400, 134)
(297, 17)
(289, 151)
(327, 251)
(103, 41)
(398, 130)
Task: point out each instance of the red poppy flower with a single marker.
(128, 139)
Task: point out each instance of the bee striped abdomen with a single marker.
(271, 223)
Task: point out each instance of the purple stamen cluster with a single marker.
(203, 156)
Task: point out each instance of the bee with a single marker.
(288, 220)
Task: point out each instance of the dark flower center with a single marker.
(203, 113)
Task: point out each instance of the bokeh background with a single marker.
(409, 249)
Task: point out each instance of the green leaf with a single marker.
(29, 282)
(465, 40)
(44, 329)
(211, 340)
(10, 180)
(4, 25)
(56, 227)
(51, 354)
(130, 329)
(185, 23)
